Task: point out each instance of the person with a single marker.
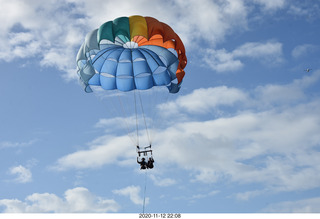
(150, 163)
(143, 163)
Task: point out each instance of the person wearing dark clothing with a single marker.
(143, 163)
(150, 163)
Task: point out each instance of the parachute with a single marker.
(132, 54)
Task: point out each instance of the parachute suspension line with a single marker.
(135, 109)
(155, 115)
(144, 192)
(144, 118)
(125, 121)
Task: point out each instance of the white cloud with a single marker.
(268, 50)
(107, 149)
(301, 206)
(275, 147)
(205, 100)
(280, 94)
(222, 60)
(75, 200)
(269, 148)
(133, 193)
(199, 196)
(223, 16)
(163, 182)
(126, 122)
(47, 31)
(23, 174)
(271, 94)
(11, 144)
(104, 150)
(53, 32)
(244, 196)
(196, 197)
(303, 49)
(303, 10)
(271, 4)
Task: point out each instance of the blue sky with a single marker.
(242, 135)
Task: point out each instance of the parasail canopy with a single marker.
(131, 53)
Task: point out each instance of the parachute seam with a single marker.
(107, 50)
(147, 66)
(105, 60)
(139, 50)
(148, 51)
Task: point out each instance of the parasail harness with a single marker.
(144, 151)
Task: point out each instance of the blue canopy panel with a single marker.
(139, 68)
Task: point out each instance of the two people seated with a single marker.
(145, 165)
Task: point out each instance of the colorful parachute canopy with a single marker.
(132, 53)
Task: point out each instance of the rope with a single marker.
(135, 109)
(155, 116)
(125, 120)
(144, 118)
(144, 193)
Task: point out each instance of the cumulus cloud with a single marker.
(221, 60)
(133, 193)
(259, 50)
(163, 182)
(47, 31)
(75, 200)
(54, 31)
(203, 100)
(23, 174)
(264, 147)
(104, 150)
(223, 16)
(273, 146)
(271, 94)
